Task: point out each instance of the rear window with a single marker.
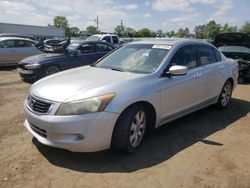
(206, 55)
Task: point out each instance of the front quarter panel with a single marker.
(145, 89)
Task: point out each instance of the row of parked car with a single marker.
(54, 55)
(36, 59)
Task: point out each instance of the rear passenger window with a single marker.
(218, 55)
(185, 56)
(8, 44)
(115, 39)
(107, 39)
(206, 55)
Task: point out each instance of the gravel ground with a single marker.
(209, 148)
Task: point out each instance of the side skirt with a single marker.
(187, 111)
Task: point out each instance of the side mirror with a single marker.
(176, 70)
(77, 52)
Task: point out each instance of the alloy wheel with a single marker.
(226, 94)
(137, 128)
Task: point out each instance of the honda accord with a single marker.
(142, 85)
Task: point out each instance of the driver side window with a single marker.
(185, 56)
(85, 48)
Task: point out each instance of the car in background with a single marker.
(13, 49)
(139, 86)
(237, 47)
(110, 38)
(17, 35)
(78, 53)
(54, 41)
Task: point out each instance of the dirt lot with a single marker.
(210, 148)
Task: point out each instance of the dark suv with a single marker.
(236, 46)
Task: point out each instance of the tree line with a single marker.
(206, 31)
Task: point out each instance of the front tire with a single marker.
(225, 95)
(51, 69)
(130, 129)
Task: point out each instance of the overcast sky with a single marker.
(154, 14)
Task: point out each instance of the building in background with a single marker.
(36, 31)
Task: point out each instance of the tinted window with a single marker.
(185, 56)
(23, 43)
(115, 39)
(85, 48)
(218, 55)
(107, 39)
(8, 44)
(103, 48)
(1, 44)
(206, 55)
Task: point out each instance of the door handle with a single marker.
(221, 66)
(197, 74)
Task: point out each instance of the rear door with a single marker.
(212, 72)
(8, 52)
(25, 48)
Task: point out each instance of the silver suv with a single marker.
(143, 84)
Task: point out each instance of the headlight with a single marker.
(32, 66)
(86, 106)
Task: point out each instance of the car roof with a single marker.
(170, 41)
(94, 41)
(15, 38)
(102, 35)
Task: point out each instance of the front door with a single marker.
(179, 93)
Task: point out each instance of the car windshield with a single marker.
(71, 47)
(240, 49)
(93, 38)
(138, 58)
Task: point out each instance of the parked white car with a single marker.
(143, 84)
(13, 49)
(110, 38)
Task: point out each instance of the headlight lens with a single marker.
(32, 66)
(86, 106)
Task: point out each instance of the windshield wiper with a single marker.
(116, 69)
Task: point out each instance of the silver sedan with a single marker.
(13, 49)
(141, 85)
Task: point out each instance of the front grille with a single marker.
(39, 131)
(38, 105)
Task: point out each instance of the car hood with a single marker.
(42, 57)
(62, 86)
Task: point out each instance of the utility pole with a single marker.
(97, 22)
(122, 28)
(121, 24)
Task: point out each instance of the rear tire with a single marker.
(130, 129)
(225, 95)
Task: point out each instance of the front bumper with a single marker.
(85, 133)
